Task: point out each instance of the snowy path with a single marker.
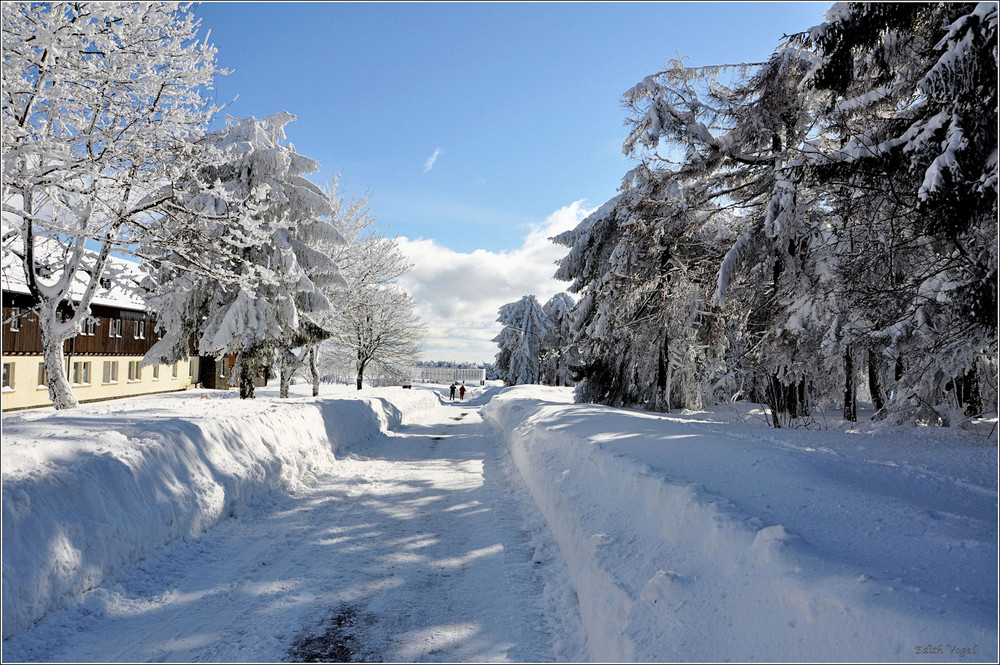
(422, 547)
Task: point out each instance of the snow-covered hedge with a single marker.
(660, 524)
(89, 491)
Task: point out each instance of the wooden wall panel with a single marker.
(28, 340)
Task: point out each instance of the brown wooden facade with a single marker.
(113, 331)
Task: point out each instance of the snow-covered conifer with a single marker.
(558, 353)
(913, 185)
(731, 149)
(278, 224)
(525, 325)
(795, 221)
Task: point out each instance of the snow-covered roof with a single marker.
(119, 288)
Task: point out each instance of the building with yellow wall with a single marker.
(104, 361)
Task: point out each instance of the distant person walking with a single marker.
(461, 392)
(453, 392)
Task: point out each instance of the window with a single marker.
(110, 371)
(81, 373)
(90, 327)
(173, 371)
(8, 376)
(15, 320)
(115, 328)
(134, 370)
(140, 330)
(156, 372)
(191, 369)
(42, 383)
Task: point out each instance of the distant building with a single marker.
(470, 376)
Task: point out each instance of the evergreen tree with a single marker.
(558, 354)
(271, 216)
(525, 325)
(793, 222)
(913, 185)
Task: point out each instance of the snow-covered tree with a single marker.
(103, 104)
(596, 337)
(793, 221)
(558, 355)
(913, 183)
(279, 225)
(720, 147)
(374, 322)
(643, 266)
(713, 145)
(381, 329)
(525, 325)
(328, 245)
(492, 373)
(316, 243)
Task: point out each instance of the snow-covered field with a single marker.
(624, 536)
(689, 538)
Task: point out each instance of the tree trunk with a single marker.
(875, 365)
(970, 396)
(286, 380)
(361, 374)
(663, 377)
(785, 400)
(244, 367)
(792, 401)
(774, 395)
(60, 391)
(850, 389)
(53, 328)
(314, 368)
(289, 363)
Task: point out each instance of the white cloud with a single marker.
(429, 164)
(458, 294)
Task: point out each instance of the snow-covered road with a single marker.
(390, 526)
(423, 546)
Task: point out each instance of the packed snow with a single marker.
(517, 525)
(94, 489)
(689, 538)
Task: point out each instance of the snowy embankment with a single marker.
(89, 491)
(690, 539)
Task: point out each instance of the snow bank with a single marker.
(91, 490)
(687, 543)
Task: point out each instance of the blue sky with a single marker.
(476, 128)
